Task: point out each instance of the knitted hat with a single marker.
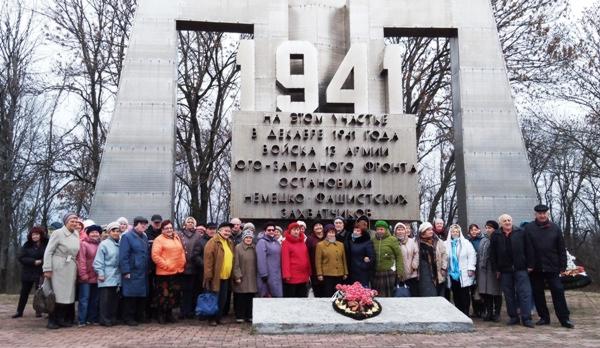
(292, 226)
(328, 227)
(112, 225)
(302, 223)
(381, 223)
(339, 218)
(425, 226)
(247, 233)
(249, 226)
(68, 216)
(399, 225)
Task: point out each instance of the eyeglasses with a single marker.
(270, 229)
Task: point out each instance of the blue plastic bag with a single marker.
(402, 290)
(207, 304)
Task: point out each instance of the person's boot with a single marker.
(52, 324)
(497, 308)
(160, 317)
(62, 315)
(169, 317)
(17, 315)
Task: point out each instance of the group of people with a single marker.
(123, 273)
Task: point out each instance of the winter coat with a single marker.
(134, 260)
(410, 256)
(29, 253)
(476, 241)
(359, 248)
(214, 256)
(168, 255)
(487, 283)
(244, 269)
(193, 247)
(467, 261)
(511, 254)
(311, 244)
(85, 260)
(268, 264)
(330, 259)
(295, 264)
(550, 253)
(106, 263)
(388, 255)
(60, 259)
(427, 280)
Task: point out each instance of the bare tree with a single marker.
(208, 93)
(19, 133)
(93, 35)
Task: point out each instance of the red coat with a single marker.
(85, 260)
(295, 262)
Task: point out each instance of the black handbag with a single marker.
(44, 300)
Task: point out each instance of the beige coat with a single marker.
(441, 257)
(59, 258)
(244, 269)
(410, 253)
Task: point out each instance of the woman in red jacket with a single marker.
(295, 262)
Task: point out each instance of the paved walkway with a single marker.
(31, 332)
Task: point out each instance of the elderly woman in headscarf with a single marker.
(389, 264)
(461, 268)
(60, 267)
(433, 263)
(410, 254)
(244, 277)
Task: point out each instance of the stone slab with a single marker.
(317, 316)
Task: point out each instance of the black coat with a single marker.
(360, 270)
(30, 252)
(514, 253)
(548, 243)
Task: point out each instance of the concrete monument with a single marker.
(299, 64)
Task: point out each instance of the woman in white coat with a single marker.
(462, 260)
(61, 268)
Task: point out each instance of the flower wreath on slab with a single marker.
(356, 302)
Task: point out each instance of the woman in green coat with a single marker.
(389, 264)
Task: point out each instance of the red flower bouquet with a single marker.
(356, 302)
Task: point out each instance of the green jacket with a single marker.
(387, 251)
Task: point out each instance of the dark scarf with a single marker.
(543, 225)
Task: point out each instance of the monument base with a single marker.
(317, 316)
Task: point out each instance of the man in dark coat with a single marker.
(550, 257)
(133, 261)
(152, 232)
